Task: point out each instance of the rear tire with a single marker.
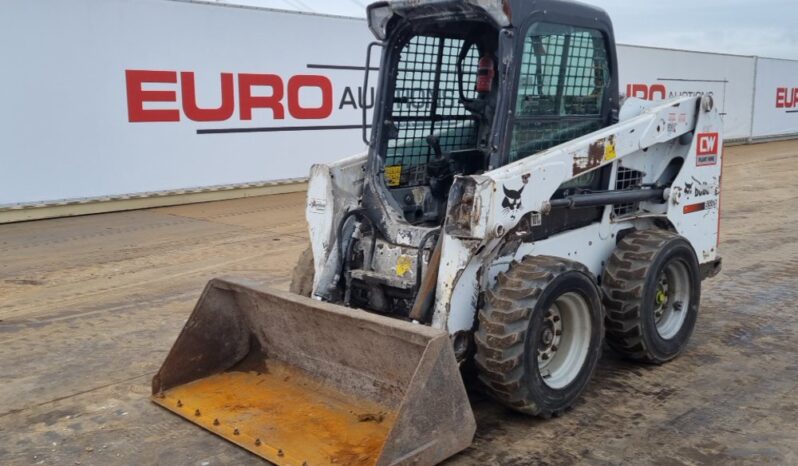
(652, 289)
(539, 336)
(304, 272)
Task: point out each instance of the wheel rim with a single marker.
(564, 340)
(672, 299)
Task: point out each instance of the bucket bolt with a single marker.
(216, 422)
(236, 432)
(197, 412)
(179, 404)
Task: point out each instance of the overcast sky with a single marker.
(767, 28)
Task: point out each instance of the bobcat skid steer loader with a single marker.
(510, 212)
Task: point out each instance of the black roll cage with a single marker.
(510, 49)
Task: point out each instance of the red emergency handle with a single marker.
(485, 74)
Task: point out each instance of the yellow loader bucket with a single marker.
(299, 381)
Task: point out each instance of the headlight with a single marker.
(463, 211)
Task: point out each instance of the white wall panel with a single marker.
(776, 105)
(661, 73)
(68, 131)
(64, 116)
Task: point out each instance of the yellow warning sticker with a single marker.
(403, 265)
(609, 150)
(393, 175)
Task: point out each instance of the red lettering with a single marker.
(249, 98)
(781, 96)
(657, 88)
(638, 90)
(645, 92)
(296, 109)
(247, 101)
(136, 96)
(189, 95)
(707, 144)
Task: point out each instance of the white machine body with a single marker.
(482, 224)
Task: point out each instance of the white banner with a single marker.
(776, 105)
(115, 97)
(657, 74)
(125, 96)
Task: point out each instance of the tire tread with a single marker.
(503, 326)
(623, 282)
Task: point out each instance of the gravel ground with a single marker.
(90, 305)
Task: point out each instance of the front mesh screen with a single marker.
(427, 101)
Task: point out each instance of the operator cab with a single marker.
(446, 107)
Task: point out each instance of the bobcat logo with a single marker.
(701, 188)
(512, 201)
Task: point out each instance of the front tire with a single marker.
(539, 336)
(652, 289)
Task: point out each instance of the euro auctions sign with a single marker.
(209, 94)
(174, 95)
(776, 102)
(300, 97)
(787, 98)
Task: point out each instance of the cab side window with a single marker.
(564, 74)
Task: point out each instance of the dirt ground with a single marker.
(89, 306)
